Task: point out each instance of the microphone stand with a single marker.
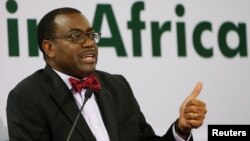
(87, 95)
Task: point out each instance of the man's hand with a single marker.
(192, 111)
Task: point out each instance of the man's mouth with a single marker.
(88, 58)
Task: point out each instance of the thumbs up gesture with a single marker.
(192, 111)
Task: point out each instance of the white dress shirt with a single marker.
(90, 111)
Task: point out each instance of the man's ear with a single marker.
(48, 48)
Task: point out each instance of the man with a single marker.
(45, 106)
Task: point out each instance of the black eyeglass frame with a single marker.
(79, 37)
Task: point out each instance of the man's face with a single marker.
(75, 59)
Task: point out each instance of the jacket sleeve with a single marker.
(24, 120)
(146, 131)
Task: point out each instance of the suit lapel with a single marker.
(71, 110)
(104, 99)
(63, 97)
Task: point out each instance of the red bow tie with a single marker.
(90, 82)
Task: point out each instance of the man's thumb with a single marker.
(196, 91)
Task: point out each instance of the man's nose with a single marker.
(89, 42)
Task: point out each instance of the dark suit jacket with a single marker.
(42, 108)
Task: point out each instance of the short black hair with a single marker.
(46, 26)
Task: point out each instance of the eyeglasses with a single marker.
(79, 37)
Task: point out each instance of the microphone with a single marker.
(87, 95)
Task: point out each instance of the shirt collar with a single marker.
(65, 78)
